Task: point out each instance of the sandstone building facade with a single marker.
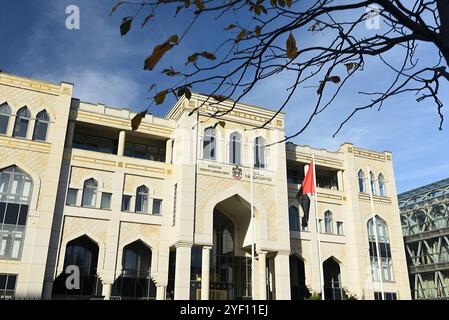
(164, 212)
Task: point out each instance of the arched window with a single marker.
(210, 144)
(381, 182)
(259, 153)
(372, 182)
(90, 191)
(235, 148)
(15, 198)
(142, 199)
(5, 113)
(41, 126)
(361, 177)
(22, 121)
(385, 267)
(293, 215)
(328, 222)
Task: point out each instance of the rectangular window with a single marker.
(11, 242)
(72, 195)
(126, 203)
(106, 201)
(7, 286)
(388, 296)
(157, 206)
(339, 228)
(320, 222)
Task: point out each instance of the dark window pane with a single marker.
(21, 128)
(3, 124)
(12, 211)
(40, 131)
(11, 282)
(23, 215)
(3, 281)
(2, 211)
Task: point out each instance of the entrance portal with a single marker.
(230, 267)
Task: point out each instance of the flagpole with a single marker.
(318, 229)
(253, 224)
(379, 265)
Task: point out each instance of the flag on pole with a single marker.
(307, 187)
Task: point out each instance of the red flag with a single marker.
(308, 184)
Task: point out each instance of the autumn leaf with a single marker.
(170, 72)
(178, 8)
(288, 3)
(291, 47)
(192, 58)
(219, 98)
(159, 51)
(281, 3)
(147, 19)
(241, 35)
(231, 26)
(187, 3)
(350, 66)
(273, 3)
(335, 79)
(137, 120)
(185, 91)
(126, 25)
(208, 55)
(258, 30)
(220, 123)
(160, 97)
(116, 7)
(199, 4)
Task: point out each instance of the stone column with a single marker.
(340, 180)
(169, 151)
(205, 273)
(107, 289)
(262, 275)
(70, 134)
(121, 143)
(31, 124)
(48, 288)
(11, 124)
(282, 275)
(182, 271)
(160, 292)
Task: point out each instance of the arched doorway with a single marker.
(83, 253)
(230, 264)
(299, 290)
(332, 280)
(135, 280)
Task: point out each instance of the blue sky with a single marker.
(109, 69)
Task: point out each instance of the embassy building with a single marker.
(164, 212)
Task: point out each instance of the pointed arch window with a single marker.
(142, 195)
(328, 222)
(259, 153)
(381, 181)
(384, 267)
(235, 148)
(41, 126)
(210, 144)
(372, 182)
(22, 121)
(90, 191)
(361, 178)
(5, 114)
